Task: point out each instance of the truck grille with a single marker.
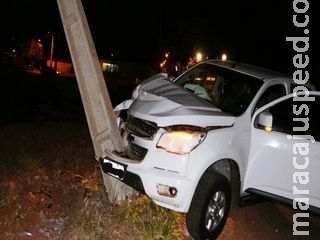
(136, 152)
(141, 127)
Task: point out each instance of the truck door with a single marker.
(284, 159)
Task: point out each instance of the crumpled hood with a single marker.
(161, 101)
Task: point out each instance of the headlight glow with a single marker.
(180, 142)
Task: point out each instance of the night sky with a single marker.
(249, 31)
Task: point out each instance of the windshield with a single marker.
(225, 88)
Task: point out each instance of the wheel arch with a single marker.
(230, 169)
(210, 182)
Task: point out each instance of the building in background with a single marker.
(113, 71)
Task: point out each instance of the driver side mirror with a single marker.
(265, 121)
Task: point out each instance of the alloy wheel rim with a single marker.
(215, 210)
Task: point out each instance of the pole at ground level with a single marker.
(93, 90)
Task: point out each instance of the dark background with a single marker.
(142, 31)
(249, 31)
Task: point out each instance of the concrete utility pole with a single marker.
(95, 97)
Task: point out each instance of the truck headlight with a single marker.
(180, 142)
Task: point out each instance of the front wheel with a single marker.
(210, 206)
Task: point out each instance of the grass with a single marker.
(152, 221)
(4, 193)
(20, 161)
(97, 218)
(137, 218)
(15, 216)
(60, 155)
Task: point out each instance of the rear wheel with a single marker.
(210, 206)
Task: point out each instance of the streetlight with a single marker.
(224, 57)
(199, 57)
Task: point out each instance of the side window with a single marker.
(283, 117)
(290, 114)
(272, 93)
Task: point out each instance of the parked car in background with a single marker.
(212, 138)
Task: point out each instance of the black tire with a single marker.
(209, 207)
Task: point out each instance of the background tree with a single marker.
(34, 50)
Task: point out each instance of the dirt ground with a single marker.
(42, 180)
(51, 186)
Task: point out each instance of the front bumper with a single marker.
(166, 188)
(110, 167)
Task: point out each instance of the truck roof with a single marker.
(252, 70)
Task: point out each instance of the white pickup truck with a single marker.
(218, 133)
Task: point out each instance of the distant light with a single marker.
(39, 40)
(163, 63)
(167, 54)
(224, 57)
(199, 57)
(13, 50)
